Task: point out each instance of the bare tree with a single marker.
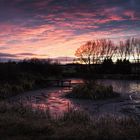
(137, 49)
(129, 49)
(98, 50)
(106, 49)
(84, 53)
(125, 49)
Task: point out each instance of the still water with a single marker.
(123, 86)
(54, 100)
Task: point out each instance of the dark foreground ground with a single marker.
(21, 123)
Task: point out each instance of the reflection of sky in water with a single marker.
(57, 104)
(53, 101)
(123, 86)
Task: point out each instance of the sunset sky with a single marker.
(56, 28)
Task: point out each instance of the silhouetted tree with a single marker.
(96, 51)
(84, 53)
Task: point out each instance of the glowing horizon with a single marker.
(56, 28)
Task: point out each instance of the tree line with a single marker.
(12, 71)
(96, 51)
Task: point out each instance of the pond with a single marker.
(123, 86)
(54, 100)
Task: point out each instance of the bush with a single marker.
(27, 84)
(92, 90)
(5, 90)
(11, 89)
(8, 90)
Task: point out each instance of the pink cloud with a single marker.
(66, 32)
(130, 14)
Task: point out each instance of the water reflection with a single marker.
(54, 100)
(123, 86)
(51, 100)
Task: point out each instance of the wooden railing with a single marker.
(60, 83)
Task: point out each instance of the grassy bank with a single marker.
(20, 123)
(30, 74)
(9, 89)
